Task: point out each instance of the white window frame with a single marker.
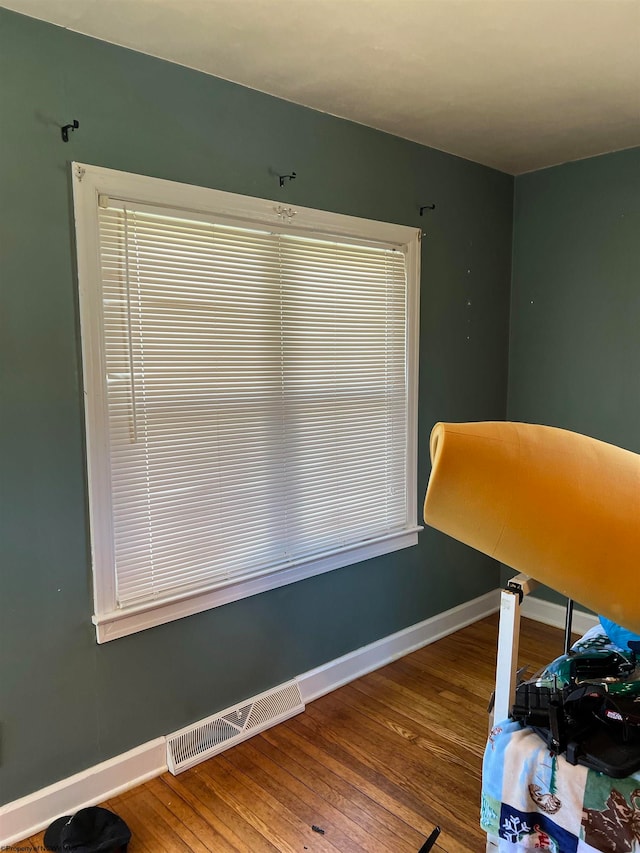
(89, 183)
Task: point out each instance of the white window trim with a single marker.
(89, 182)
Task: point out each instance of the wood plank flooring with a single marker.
(376, 765)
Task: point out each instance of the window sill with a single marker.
(121, 623)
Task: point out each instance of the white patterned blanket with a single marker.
(533, 800)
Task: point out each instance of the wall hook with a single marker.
(284, 178)
(67, 127)
(427, 207)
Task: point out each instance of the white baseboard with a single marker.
(29, 815)
(554, 614)
(33, 813)
(342, 670)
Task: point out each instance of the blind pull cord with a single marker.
(134, 407)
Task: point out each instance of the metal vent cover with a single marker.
(201, 740)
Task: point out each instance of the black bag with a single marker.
(586, 720)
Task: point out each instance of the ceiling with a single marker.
(514, 84)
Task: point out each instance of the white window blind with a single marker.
(255, 398)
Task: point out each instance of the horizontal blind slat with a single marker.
(256, 395)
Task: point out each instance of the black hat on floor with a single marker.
(91, 830)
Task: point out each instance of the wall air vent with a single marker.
(200, 741)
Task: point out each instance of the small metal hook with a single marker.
(427, 207)
(67, 127)
(284, 178)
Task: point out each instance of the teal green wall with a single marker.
(575, 308)
(67, 702)
(574, 357)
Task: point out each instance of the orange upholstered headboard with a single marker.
(558, 506)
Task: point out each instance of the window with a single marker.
(250, 384)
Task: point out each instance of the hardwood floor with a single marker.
(375, 765)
